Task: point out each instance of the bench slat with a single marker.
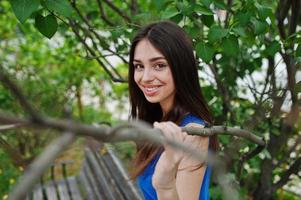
(50, 190)
(74, 188)
(126, 186)
(104, 185)
(63, 190)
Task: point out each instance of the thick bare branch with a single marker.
(107, 134)
(128, 131)
(217, 130)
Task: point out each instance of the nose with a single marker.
(147, 75)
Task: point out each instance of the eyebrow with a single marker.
(152, 59)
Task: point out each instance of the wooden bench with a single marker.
(101, 177)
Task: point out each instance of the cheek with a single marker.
(136, 77)
(169, 80)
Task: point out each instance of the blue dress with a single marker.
(145, 178)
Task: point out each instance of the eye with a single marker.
(138, 67)
(160, 66)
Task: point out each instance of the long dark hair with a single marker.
(168, 38)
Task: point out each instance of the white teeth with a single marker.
(151, 89)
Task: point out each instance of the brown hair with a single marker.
(173, 43)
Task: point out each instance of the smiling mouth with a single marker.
(151, 91)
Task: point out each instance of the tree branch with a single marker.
(295, 16)
(222, 90)
(103, 13)
(39, 165)
(117, 10)
(281, 14)
(73, 26)
(99, 38)
(294, 169)
(18, 94)
(10, 127)
(224, 130)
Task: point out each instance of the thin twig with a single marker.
(103, 14)
(114, 79)
(117, 10)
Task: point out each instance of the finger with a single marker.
(178, 130)
(175, 126)
(175, 132)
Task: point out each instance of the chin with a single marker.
(152, 100)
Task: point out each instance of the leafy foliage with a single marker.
(249, 57)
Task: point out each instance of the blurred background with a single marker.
(75, 54)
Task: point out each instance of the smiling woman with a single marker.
(165, 90)
(153, 75)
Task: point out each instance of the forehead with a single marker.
(145, 51)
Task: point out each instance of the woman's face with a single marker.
(153, 75)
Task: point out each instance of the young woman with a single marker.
(165, 91)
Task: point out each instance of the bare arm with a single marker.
(190, 175)
(178, 176)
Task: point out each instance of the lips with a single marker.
(151, 90)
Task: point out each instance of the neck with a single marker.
(166, 107)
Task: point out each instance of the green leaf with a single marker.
(46, 25)
(206, 3)
(185, 8)
(220, 4)
(298, 51)
(240, 31)
(216, 33)
(208, 20)
(169, 13)
(264, 12)
(202, 10)
(62, 7)
(260, 26)
(194, 32)
(273, 48)
(204, 51)
(243, 18)
(158, 3)
(177, 18)
(23, 9)
(230, 46)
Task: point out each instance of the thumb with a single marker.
(156, 124)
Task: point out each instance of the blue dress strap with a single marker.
(192, 119)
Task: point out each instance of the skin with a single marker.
(175, 176)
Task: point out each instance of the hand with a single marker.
(173, 132)
(167, 165)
